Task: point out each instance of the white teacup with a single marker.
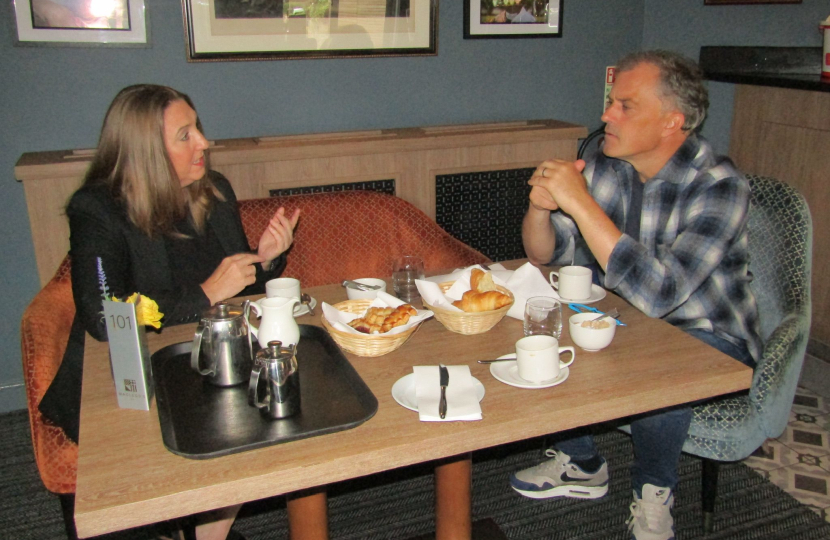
(355, 294)
(538, 358)
(284, 287)
(572, 282)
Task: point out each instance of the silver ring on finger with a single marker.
(543, 172)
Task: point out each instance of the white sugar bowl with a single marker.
(588, 338)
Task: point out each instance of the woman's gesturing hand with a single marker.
(232, 275)
(278, 236)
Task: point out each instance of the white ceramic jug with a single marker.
(277, 322)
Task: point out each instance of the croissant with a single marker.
(481, 281)
(472, 301)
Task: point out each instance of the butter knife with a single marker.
(359, 286)
(445, 380)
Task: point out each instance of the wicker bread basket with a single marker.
(365, 344)
(466, 323)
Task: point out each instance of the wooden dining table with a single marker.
(127, 478)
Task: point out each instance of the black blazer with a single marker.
(132, 262)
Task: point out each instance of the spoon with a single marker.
(306, 299)
(359, 286)
(511, 358)
(613, 314)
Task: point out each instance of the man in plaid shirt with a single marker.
(665, 219)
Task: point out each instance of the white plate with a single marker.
(508, 373)
(404, 391)
(597, 294)
(302, 309)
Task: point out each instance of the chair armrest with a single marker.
(776, 376)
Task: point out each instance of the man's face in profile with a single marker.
(636, 116)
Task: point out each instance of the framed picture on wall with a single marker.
(723, 2)
(80, 22)
(485, 19)
(217, 30)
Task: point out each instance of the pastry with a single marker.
(378, 320)
(483, 295)
(482, 281)
(474, 301)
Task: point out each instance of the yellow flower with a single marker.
(147, 311)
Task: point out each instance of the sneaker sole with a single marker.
(581, 492)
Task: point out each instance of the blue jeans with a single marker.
(658, 437)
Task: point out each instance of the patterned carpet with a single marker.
(398, 504)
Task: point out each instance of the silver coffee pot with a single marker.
(222, 345)
(274, 385)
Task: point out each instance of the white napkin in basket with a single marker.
(341, 319)
(462, 400)
(496, 268)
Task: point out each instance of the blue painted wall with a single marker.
(686, 25)
(55, 98)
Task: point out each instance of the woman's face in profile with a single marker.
(184, 142)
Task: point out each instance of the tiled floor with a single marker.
(799, 460)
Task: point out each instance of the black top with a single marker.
(133, 262)
(195, 255)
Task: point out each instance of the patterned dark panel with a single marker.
(485, 209)
(383, 186)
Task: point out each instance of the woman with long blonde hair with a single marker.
(152, 218)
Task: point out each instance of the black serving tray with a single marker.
(202, 421)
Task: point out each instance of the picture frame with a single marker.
(488, 19)
(216, 30)
(80, 23)
(729, 2)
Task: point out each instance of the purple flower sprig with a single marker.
(102, 281)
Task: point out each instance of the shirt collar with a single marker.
(679, 164)
(675, 168)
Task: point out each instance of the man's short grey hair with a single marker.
(681, 81)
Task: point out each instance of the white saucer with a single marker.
(597, 294)
(302, 309)
(404, 391)
(508, 373)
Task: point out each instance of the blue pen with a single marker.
(582, 308)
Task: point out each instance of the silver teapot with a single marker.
(222, 345)
(275, 369)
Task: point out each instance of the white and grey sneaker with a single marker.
(558, 477)
(651, 516)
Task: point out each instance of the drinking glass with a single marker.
(543, 316)
(405, 270)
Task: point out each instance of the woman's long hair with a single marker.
(132, 161)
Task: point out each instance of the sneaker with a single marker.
(651, 516)
(558, 477)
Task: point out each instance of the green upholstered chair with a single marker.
(780, 246)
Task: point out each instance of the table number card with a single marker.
(129, 356)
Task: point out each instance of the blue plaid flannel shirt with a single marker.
(691, 265)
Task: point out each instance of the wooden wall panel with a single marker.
(785, 134)
(410, 156)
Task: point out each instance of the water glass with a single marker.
(543, 316)
(405, 270)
